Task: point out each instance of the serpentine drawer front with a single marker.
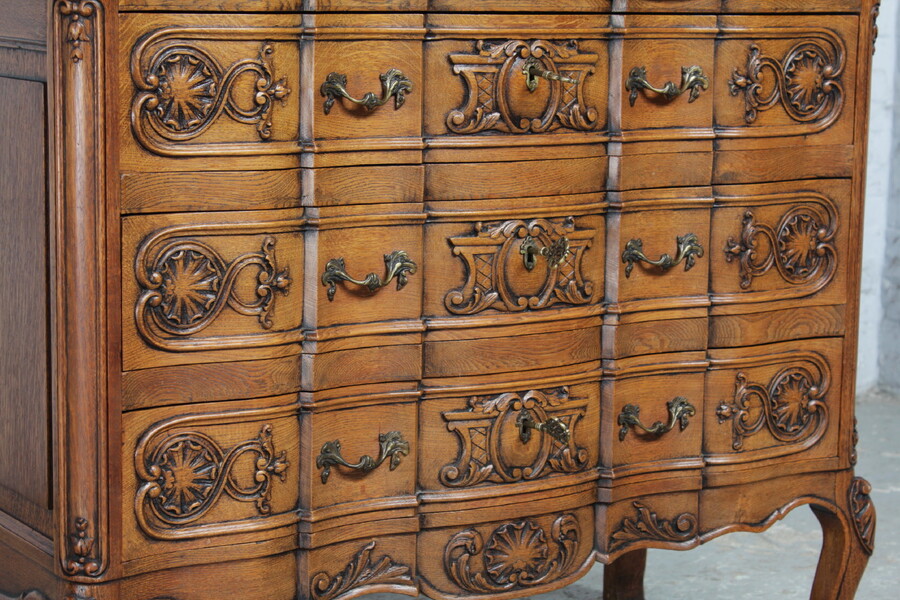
(331, 297)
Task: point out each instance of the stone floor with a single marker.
(780, 563)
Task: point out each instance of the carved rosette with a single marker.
(481, 428)
(800, 246)
(493, 68)
(862, 511)
(183, 90)
(805, 82)
(647, 526)
(792, 407)
(489, 254)
(517, 555)
(362, 575)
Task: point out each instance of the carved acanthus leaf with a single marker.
(862, 511)
(647, 526)
(361, 572)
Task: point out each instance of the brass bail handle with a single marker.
(679, 411)
(392, 447)
(553, 427)
(692, 79)
(398, 265)
(688, 250)
(555, 253)
(393, 84)
(533, 69)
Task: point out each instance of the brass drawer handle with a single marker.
(555, 253)
(392, 444)
(679, 411)
(689, 249)
(533, 69)
(393, 83)
(692, 78)
(398, 265)
(553, 427)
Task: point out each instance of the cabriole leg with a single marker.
(623, 579)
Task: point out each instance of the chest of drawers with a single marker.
(306, 299)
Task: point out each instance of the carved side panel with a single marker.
(494, 256)
(215, 474)
(79, 46)
(491, 448)
(496, 88)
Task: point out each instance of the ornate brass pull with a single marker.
(692, 78)
(393, 446)
(555, 253)
(679, 411)
(689, 249)
(554, 427)
(398, 265)
(393, 83)
(533, 68)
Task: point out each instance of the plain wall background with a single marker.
(879, 331)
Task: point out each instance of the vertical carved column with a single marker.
(79, 277)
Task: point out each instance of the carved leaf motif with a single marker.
(82, 557)
(862, 510)
(517, 556)
(359, 573)
(649, 527)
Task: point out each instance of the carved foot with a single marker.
(623, 579)
(848, 541)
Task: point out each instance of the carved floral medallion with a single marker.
(517, 555)
(800, 246)
(481, 428)
(791, 407)
(495, 69)
(491, 280)
(805, 82)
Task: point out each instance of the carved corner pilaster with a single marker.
(78, 85)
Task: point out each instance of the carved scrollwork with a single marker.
(186, 473)
(481, 433)
(182, 91)
(800, 246)
(862, 511)
(516, 556)
(490, 252)
(183, 473)
(494, 67)
(647, 526)
(362, 573)
(185, 284)
(791, 407)
(807, 81)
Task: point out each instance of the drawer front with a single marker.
(366, 275)
(367, 73)
(204, 287)
(516, 265)
(213, 5)
(476, 76)
(781, 242)
(214, 478)
(653, 417)
(660, 255)
(771, 402)
(667, 68)
(213, 91)
(359, 459)
(518, 435)
(505, 558)
(786, 76)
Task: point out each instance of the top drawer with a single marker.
(274, 5)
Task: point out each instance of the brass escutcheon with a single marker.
(532, 69)
(554, 427)
(555, 253)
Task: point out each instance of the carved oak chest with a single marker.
(305, 299)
